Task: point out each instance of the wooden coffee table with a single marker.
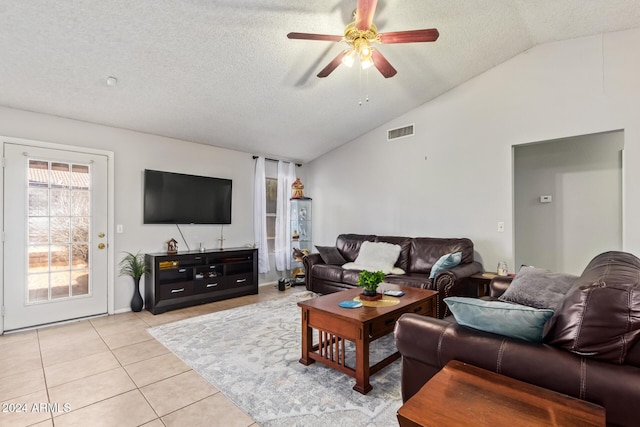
(335, 325)
(462, 394)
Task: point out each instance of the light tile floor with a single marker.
(109, 371)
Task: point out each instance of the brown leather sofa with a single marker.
(417, 257)
(589, 351)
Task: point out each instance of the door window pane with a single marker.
(80, 177)
(38, 287)
(79, 282)
(38, 173)
(60, 175)
(79, 256)
(60, 285)
(60, 258)
(38, 201)
(80, 203)
(60, 232)
(38, 259)
(60, 202)
(80, 229)
(38, 230)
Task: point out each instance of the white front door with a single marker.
(55, 225)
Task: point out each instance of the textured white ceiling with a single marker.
(222, 72)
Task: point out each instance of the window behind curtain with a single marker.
(272, 191)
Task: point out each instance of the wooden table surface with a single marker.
(329, 303)
(461, 394)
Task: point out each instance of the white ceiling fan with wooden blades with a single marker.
(360, 34)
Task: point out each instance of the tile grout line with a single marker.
(44, 374)
(191, 404)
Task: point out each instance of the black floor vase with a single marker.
(136, 301)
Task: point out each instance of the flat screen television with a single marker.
(176, 198)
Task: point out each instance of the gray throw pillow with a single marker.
(331, 255)
(538, 288)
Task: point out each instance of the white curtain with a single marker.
(260, 216)
(286, 177)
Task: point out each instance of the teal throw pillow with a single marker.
(502, 318)
(445, 262)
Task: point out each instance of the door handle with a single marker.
(101, 246)
(101, 235)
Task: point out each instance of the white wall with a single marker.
(454, 178)
(583, 177)
(135, 152)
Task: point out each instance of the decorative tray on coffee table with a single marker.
(385, 301)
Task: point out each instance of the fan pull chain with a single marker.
(360, 86)
(366, 87)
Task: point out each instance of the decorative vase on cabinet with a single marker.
(300, 237)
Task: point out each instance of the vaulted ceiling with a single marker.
(222, 72)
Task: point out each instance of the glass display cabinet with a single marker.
(300, 237)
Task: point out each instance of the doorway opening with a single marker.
(568, 200)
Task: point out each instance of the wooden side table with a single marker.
(483, 280)
(461, 394)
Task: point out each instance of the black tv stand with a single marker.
(190, 278)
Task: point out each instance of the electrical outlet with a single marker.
(501, 226)
(546, 198)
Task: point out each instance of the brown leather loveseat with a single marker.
(589, 347)
(417, 257)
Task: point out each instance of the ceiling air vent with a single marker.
(402, 132)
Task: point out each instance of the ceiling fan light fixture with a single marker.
(365, 54)
(349, 57)
(366, 63)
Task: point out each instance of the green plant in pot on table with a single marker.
(369, 281)
(133, 265)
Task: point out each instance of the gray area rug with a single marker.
(251, 354)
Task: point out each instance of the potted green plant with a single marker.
(133, 265)
(369, 281)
